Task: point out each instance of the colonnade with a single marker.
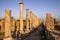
(29, 24)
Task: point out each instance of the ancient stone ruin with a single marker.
(30, 29)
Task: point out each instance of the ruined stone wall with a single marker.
(49, 21)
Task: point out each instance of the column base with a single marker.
(7, 38)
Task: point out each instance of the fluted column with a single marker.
(7, 25)
(21, 16)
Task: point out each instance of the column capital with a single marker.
(48, 13)
(27, 9)
(30, 11)
(20, 2)
(7, 10)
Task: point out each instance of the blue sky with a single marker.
(38, 7)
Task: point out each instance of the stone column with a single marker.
(21, 4)
(2, 28)
(17, 24)
(35, 23)
(31, 20)
(27, 21)
(49, 21)
(13, 25)
(7, 25)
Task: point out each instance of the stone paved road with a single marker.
(39, 33)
